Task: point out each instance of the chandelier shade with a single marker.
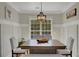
(41, 16)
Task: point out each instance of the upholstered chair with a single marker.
(15, 50)
(68, 50)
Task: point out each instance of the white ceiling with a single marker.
(47, 7)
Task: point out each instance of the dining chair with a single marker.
(15, 50)
(68, 50)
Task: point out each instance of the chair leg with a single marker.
(71, 53)
(12, 54)
(27, 51)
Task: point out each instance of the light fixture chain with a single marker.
(41, 6)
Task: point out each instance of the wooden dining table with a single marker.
(44, 49)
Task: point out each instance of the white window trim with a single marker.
(40, 27)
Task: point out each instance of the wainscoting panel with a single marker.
(78, 40)
(0, 40)
(71, 31)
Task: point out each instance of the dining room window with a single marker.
(40, 28)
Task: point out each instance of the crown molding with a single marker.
(10, 4)
(36, 12)
(3, 21)
(72, 4)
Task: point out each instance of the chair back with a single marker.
(13, 43)
(70, 43)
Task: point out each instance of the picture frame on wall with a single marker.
(71, 13)
(7, 13)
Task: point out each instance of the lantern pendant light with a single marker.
(41, 17)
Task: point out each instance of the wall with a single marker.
(75, 18)
(0, 40)
(25, 25)
(9, 28)
(14, 14)
(70, 29)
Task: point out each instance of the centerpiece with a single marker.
(42, 40)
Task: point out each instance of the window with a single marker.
(46, 27)
(39, 29)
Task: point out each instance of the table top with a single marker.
(50, 43)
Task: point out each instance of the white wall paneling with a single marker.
(71, 30)
(8, 31)
(0, 40)
(9, 28)
(78, 40)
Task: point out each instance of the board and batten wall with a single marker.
(9, 28)
(0, 40)
(70, 28)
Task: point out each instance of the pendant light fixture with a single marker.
(41, 17)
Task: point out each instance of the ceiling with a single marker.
(35, 7)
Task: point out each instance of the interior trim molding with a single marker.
(3, 21)
(75, 22)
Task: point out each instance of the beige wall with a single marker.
(9, 28)
(14, 14)
(72, 18)
(56, 22)
(70, 29)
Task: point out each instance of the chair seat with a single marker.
(18, 51)
(63, 51)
